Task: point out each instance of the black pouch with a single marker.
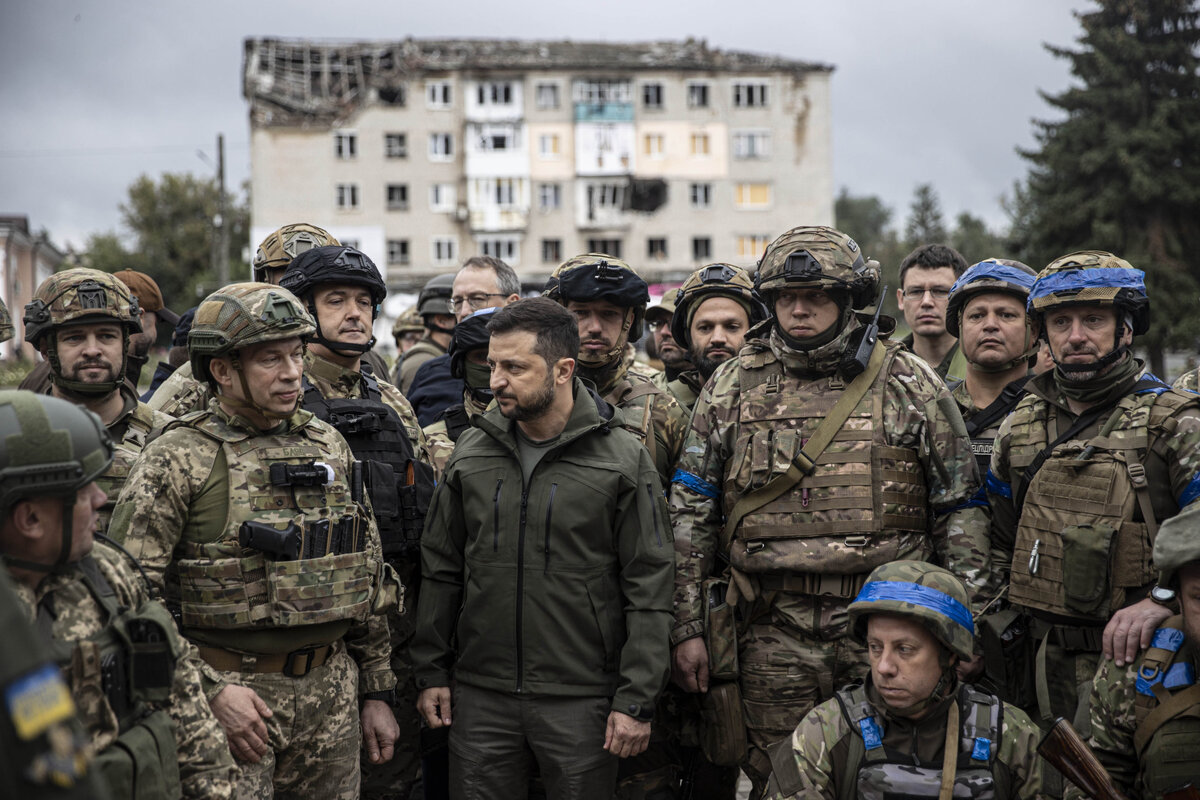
(720, 631)
(1087, 568)
(723, 724)
(1007, 641)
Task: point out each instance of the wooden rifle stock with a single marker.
(1063, 748)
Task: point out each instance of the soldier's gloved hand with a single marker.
(379, 730)
(689, 665)
(626, 737)
(243, 714)
(1131, 629)
(434, 705)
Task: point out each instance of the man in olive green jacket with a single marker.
(546, 564)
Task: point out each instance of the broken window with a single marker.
(445, 250)
(652, 95)
(656, 248)
(551, 251)
(395, 145)
(438, 94)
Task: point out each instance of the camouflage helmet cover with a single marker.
(991, 275)
(597, 276)
(76, 296)
(281, 246)
(1092, 277)
(243, 314)
(7, 331)
(52, 446)
(1178, 543)
(929, 595)
(409, 321)
(820, 257)
(714, 280)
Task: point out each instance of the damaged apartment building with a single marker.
(424, 152)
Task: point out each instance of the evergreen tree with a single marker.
(925, 225)
(1120, 171)
(972, 238)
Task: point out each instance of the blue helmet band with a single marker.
(1115, 278)
(918, 595)
(993, 270)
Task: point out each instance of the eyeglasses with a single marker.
(918, 292)
(475, 301)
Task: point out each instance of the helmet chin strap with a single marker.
(341, 348)
(1118, 352)
(609, 356)
(87, 390)
(235, 363)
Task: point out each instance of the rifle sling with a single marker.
(806, 460)
(1165, 711)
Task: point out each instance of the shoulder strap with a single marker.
(1000, 408)
(806, 460)
(1164, 712)
(372, 385)
(1084, 421)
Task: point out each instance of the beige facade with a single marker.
(26, 260)
(424, 152)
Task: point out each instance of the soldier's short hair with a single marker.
(932, 256)
(506, 277)
(554, 328)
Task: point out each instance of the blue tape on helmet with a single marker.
(1076, 279)
(993, 270)
(918, 595)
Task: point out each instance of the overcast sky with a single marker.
(98, 92)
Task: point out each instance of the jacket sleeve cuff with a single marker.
(211, 681)
(378, 681)
(627, 704)
(686, 630)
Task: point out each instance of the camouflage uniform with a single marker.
(65, 608)
(180, 394)
(183, 514)
(911, 464)
(1073, 543)
(440, 441)
(820, 743)
(858, 745)
(1188, 381)
(686, 389)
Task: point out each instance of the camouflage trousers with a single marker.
(314, 733)
(394, 780)
(792, 658)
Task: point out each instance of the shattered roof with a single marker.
(300, 82)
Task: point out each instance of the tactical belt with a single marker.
(295, 664)
(844, 586)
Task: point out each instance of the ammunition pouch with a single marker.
(1087, 566)
(720, 631)
(142, 763)
(723, 725)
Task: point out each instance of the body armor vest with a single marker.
(984, 424)
(635, 405)
(125, 454)
(1082, 540)
(863, 505)
(1167, 747)
(131, 662)
(457, 420)
(400, 486)
(874, 771)
(293, 547)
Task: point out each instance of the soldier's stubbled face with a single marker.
(1189, 600)
(905, 660)
(522, 381)
(91, 352)
(272, 371)
(1083, 334)
(805, 313)
(993, 329)
(602, 325)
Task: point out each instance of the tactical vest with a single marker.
(293, 548)
(1168, 732)
(400, 486)
(131, 662)
(863, 505)
(634, 402)
(1082, 538)
(457, 421)
(125, 454)
(984, 424)
(874, 771)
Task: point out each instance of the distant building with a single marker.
(423, 152)
(26, 260)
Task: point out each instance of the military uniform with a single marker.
(1147, 760)
(983, 424)
(1188, 381)
(686, 389)
(180, 394)
(442, 435)
(953, 366)
(424, 350)
(826, 756)
(129, 431)
(75, 609)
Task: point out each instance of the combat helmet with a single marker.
(596, 276)
(470, 334)
(990, 276)
(1092, 277)
(714, 280)
(1177, 543)
(281, 246)
(337, 264)
(77, 296)
(409, 321)
(7, 331)
(931, 596)
(434, 298)
(240, 315)
(822, 258)
(51, 447)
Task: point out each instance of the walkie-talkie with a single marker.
(855, 365)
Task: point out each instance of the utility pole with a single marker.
(222, 220)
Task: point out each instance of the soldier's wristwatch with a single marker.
(1162, 595)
